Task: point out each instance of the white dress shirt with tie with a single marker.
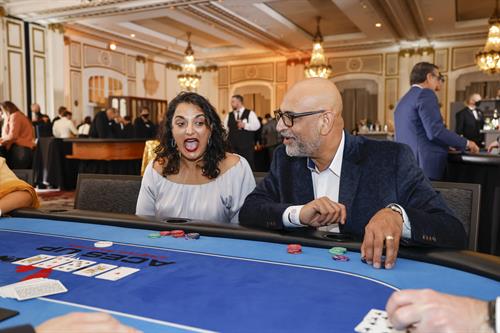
(252, 124)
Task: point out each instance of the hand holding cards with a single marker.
(376, 321)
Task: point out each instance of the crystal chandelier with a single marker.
(317, 66)
(488, 60)
(188, 79)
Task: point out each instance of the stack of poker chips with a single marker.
(338, 253)
(175, 234)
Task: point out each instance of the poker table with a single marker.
(231, 279)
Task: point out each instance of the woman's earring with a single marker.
(172, 143)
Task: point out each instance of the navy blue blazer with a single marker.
(419, 124)
(374, 174)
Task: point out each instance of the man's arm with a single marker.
(428, 110)
(432, 222)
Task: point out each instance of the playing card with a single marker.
(53, 262)
(43, 287)
(376, 321)
(74, 265)
(33, 260)
(94, 270)
(117, 274)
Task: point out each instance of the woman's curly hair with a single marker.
(217, 143)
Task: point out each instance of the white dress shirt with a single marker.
(474, 112)
(64, 128)
(253, 123)
(327, 183)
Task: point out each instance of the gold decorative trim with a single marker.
(124, 60)
(33, 40)
(444, 50)
(141, 59)
(397, 66)
(79, 65)
(361, 70)
(44, 78)
(57, 27)
(453, 56)
(72, 102)
(20, 35)
(387, 107)
(248, 69)
(10, 78)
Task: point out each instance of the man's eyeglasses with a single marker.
(289, 116)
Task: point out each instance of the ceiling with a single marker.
(227, 30)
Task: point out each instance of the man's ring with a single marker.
(389, 237)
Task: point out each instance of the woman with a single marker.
(84, 127)
(193, 175)
(14, 193)
(17, 139)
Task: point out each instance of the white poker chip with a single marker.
(103, 244)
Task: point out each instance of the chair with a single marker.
(107, 193)
(464, 199)
(259, 176)
(24, 174)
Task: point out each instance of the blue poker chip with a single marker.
(193, 235)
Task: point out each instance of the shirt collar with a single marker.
(336, 165)
(417, 85)
(241, 109)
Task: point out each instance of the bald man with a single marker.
(323, 176)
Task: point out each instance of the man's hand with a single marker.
(492, 145)
(429, 311)
(79, 322)
(471, 145)
(384, 226)
(322, 211)
(240, 124)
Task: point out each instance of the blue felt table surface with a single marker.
(210, 288)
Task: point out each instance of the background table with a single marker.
(220, 283)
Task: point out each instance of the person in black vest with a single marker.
(104, 125)
(470, 121)
(242, 124)
(143, 127)
(127, 128)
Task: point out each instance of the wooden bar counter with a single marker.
(106, 149)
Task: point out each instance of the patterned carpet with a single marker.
(55, 200)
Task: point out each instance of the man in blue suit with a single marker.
(323, 175)
(419, 124)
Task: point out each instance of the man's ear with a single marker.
(327, 120)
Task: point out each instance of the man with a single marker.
(242, 124)
(470, 121)
(374, 189)
(60, 113)
(269, 136)
(43, 128)
(143, 127)
(64, 127)
(127, 128)
(430, 311)
(104, 125)
(418, 123)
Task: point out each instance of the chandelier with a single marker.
(317, 65)
(488, 60)
(188, 79)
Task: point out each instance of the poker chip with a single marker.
(103, 244)
(340, 257)
(154, 235)
(337, 250)
(294, 248)
(193, 235)
(177, 233)
(165, 233)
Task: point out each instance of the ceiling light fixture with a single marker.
(188, 79)
(112, 46)
(132, 35)
(317, 66)
(488, 60)
(378, 24)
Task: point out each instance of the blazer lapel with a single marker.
(350, 174)
(303, 182)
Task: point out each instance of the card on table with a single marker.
(376, 321)
(54, 262)
(118, 273)
(94, 270)
(74, 265)
(33, 260)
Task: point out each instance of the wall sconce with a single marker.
(419, 51)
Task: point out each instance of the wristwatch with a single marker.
(397, 209)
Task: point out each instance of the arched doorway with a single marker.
(360, 101)
(256, 97)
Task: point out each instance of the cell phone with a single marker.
(7, 313)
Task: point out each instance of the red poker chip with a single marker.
(165, 233)
(294, 248)
(177, 233)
